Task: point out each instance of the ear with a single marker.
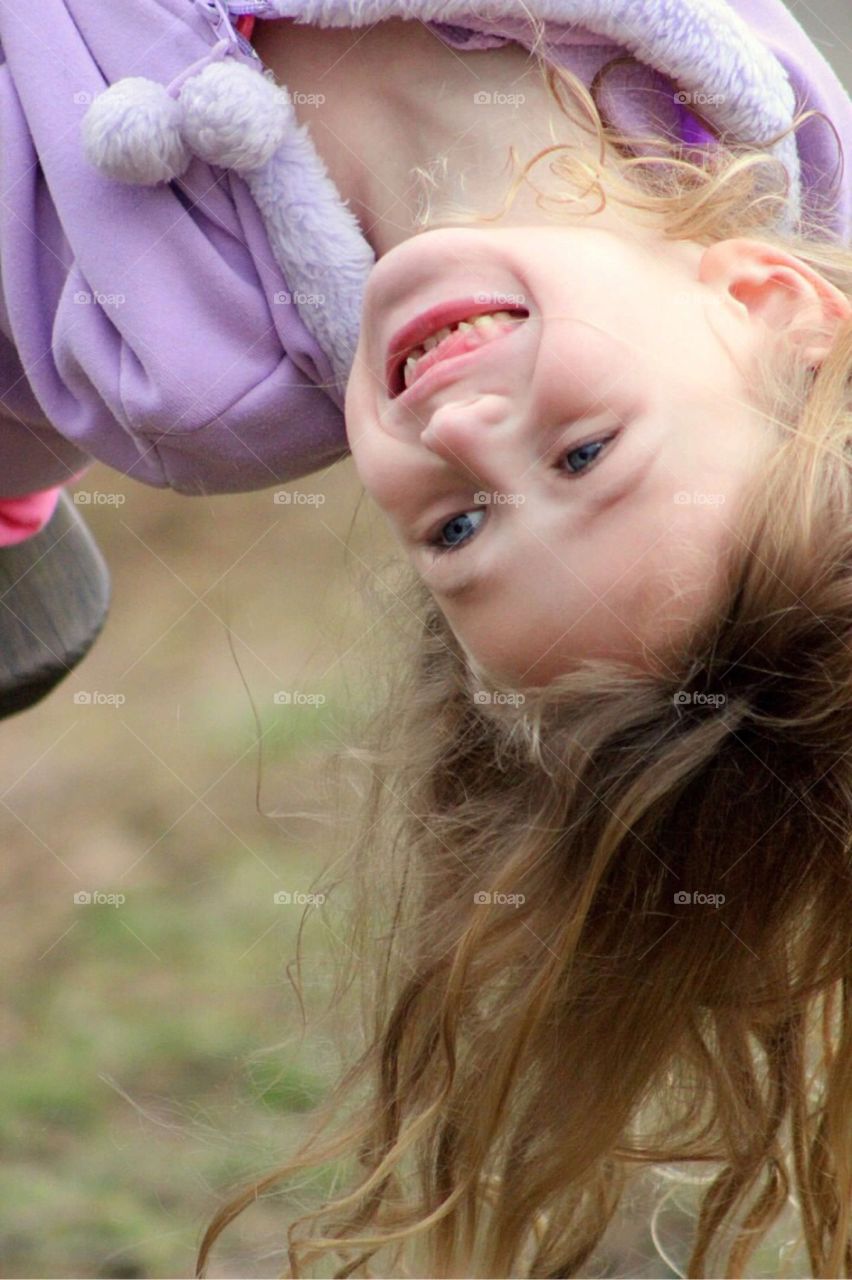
(779, 289)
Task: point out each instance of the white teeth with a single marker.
(484, 323)
(433, 341)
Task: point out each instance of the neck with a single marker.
(432, 131)
(446, 146)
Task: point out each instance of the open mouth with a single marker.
(448, 338)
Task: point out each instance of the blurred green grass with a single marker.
(153, 1052)
(169, 1022)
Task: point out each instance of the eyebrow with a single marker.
(607, 496)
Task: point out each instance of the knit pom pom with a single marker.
(131, 132)
(234, 116)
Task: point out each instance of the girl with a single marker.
(110, 348)
(611, 797)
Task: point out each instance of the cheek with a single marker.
(362, 433)
(380, 468)
(368, 460)
(496, 639)
(354, 403)
(375, 454)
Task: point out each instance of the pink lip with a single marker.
(421, 327)
(446, 369)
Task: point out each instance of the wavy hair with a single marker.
(604, 926)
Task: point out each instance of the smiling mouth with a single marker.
(459, 338)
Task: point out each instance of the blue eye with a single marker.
(583, 452)
(458, 530)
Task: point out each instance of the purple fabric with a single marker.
(140, 326)
(181, 370)
(815, 83)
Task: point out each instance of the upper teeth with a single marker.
(481, 322)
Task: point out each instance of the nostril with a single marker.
(427, 438)
(446, 437)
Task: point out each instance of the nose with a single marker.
(470, 437)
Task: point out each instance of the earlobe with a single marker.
(779, 290)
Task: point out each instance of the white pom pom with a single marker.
(234, 116)
(131, 133)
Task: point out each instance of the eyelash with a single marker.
(439, 549)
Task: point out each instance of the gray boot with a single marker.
(54, 598)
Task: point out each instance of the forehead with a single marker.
(535, 627)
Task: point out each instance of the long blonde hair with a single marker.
(547, 1014)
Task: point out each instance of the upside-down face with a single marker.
(557, 423)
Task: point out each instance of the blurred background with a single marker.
(152, 1045)
(829, 25)
(152, 808)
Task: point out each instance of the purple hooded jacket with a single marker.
(153, 328)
